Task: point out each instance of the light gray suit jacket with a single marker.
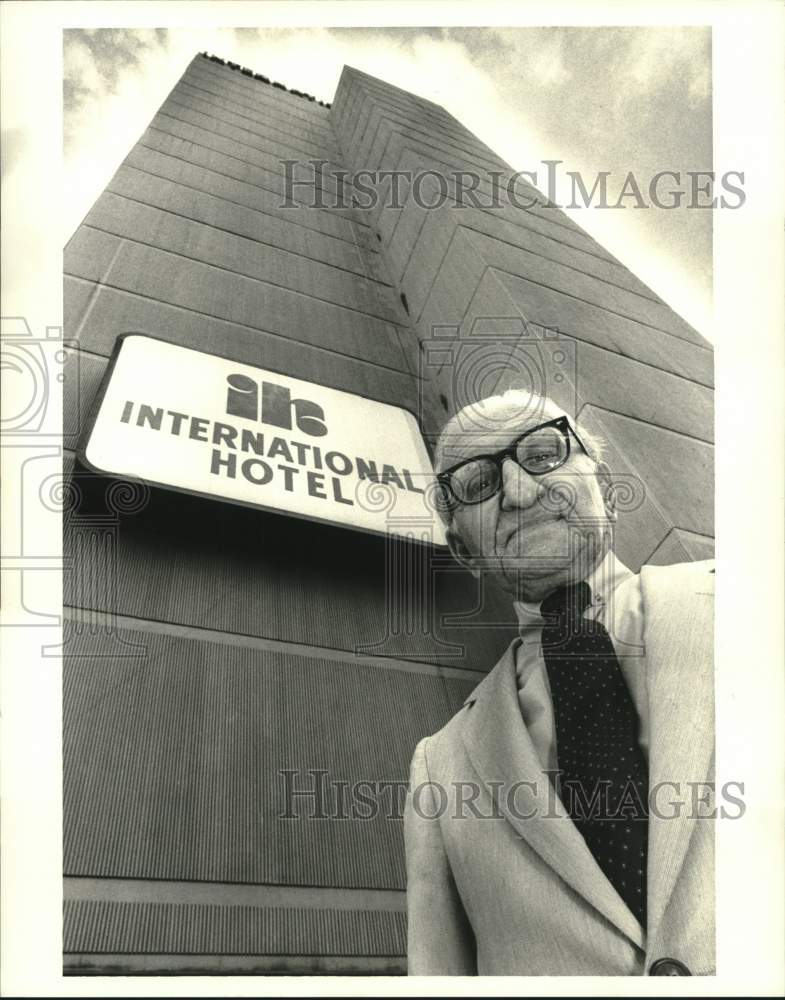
(512, 888)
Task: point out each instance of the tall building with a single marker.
(228, 671)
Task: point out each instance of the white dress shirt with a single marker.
(616, 604)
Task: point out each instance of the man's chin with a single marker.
(547, 540)
(531, 582)
(523, 573)
(538, 558)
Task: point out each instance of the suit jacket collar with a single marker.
(499, 746)
(678, 636)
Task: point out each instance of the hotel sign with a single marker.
(186, 420)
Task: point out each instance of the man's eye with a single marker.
(479, 484)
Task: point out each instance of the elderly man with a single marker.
(557, 824)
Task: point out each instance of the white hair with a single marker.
(494, 413)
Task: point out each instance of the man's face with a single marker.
(539, 531)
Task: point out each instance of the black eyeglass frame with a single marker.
(561, 423)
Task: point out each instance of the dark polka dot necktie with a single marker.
(603, 777)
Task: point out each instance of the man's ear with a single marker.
(607, 488)
(461, 552)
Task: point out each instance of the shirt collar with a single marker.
(604, 579)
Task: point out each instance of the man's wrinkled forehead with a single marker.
(475, 433)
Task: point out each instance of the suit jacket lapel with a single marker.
(500, 748)
(678, 609)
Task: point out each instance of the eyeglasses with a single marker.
(537, 451)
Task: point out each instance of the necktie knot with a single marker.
(567, 602)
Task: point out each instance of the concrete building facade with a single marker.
(228, 671)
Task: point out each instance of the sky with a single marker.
(598, 99)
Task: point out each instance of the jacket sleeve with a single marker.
(440, 937)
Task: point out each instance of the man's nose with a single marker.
(519, 489)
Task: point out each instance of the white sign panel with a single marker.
(186, 420)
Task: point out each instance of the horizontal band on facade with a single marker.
(380, 317)
(124, 890)
(100, 618)
(239, 159)
(196, 929)
(115, 964)
(415, 377)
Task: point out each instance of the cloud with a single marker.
(13, 143)
(96, 60)
(537, 56)
(598, 99)
(657, 57)
(615, 100)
